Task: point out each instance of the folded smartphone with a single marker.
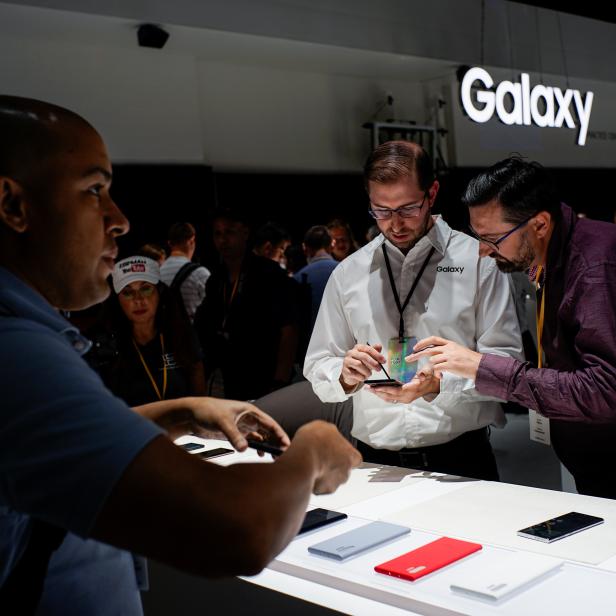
(382, 382)
(428, 558)
(214, 453)
(265, 447)
(560, 527)
(358, 540)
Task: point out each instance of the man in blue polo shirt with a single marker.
(75, 458)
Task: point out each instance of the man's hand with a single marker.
(359, 364)
(424, 383)
(334, 455)
(447, 356)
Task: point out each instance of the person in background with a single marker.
(153, 251)
(522, 226)
(295, 258)
(179, 272)
(317, 247)
(271, 241)
(157, 355)
(249, 310)
(372, 232)
(85, 480)
(343, 242)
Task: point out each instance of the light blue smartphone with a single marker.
(359, 540)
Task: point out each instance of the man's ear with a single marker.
(13, 209)
(542, 223)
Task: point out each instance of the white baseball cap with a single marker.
(135, 269)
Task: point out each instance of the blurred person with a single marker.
(156, 353)
(343, 242)
(249, 307)
(417, 277)
(271, 241)
(179, 272)
(295, 258)
(84, 479)
(317, 246)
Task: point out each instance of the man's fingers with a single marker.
(373, 352)
(430, 341)
(434, 350)
(231, 431)
(360, 367)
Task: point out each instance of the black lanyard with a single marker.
(402, 307)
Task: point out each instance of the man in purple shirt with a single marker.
(518, 219)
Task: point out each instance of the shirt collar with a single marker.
(19, 300)
(438, 236)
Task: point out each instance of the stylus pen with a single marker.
(382, 366)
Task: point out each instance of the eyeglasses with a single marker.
(147, 290)
(405, 211)
(494, 243)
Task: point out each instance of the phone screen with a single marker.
(214, 453)
(320, 517)
(560, 527)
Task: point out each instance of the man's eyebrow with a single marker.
(395, 208)
(98, 170)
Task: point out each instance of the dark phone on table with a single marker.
(191, 446)
(560, 527)
(263, 446)
(320, 517)
(380, 382)
(214, 453)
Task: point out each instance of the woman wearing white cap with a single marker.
(158, 356)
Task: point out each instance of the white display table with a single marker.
(433, 505)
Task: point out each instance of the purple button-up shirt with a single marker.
(578, 382)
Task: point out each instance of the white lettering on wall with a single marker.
(518, 104)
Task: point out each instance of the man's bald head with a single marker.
(31, 132)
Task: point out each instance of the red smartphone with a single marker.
(428, 558)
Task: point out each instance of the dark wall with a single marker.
(155, 196)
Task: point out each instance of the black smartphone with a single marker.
(214, 453)
(381, 382)
(263, 446)
(191, 446)
(320, 517)
(560, 527)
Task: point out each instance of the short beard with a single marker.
(521, 263)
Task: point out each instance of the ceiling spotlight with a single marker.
(151, 35)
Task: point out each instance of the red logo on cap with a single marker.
(137, 267)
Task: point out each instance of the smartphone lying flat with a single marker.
(320, 517)
(560, 527)
(512, 572)
(383, 382)
(191, 446)
(263, 446)
(428, 558)
(214, 453)
(358, 540)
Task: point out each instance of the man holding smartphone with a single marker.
(75, 458)
(522, 226)
(417, 277)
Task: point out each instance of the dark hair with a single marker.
(522, 188)
(317, 238)
(171, 320)
(272, 233)
(179, 233)
(394, 160)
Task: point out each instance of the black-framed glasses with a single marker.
(494, 243)
(404, 211)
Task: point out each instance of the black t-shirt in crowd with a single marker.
(240, 332)
(128, 379)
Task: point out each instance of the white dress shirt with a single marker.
(471, 305)
(192, 289)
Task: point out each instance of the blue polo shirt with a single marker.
(65, 441)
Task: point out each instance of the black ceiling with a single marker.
(603, 11)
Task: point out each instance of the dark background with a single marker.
(155, 196)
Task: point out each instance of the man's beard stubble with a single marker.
(519, 264)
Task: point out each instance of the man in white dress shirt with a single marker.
(417, 278)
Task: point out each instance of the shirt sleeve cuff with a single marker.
(494, 374)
